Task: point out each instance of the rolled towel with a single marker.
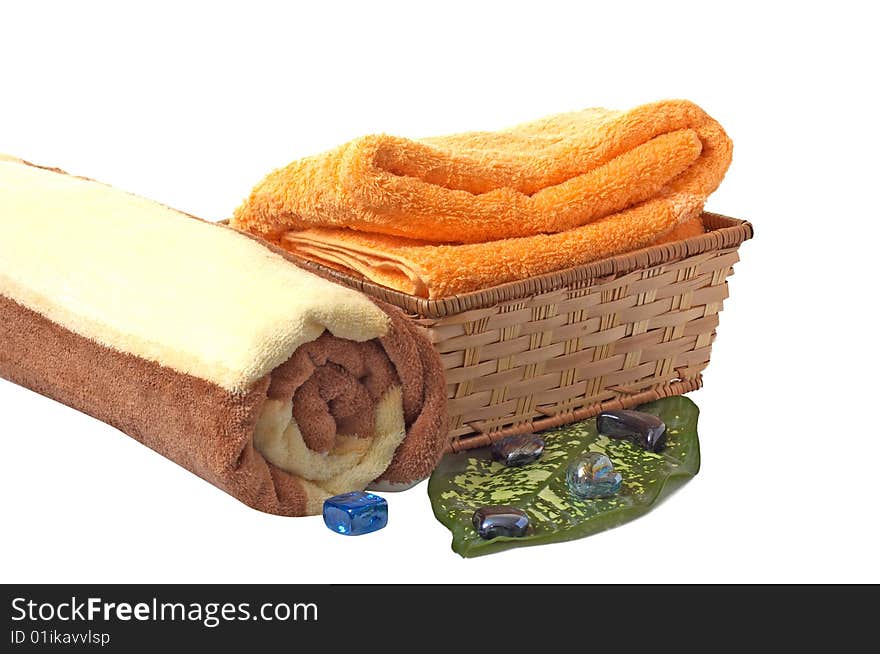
(277, 386)
(446, 215)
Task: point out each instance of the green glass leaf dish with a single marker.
(466, 481)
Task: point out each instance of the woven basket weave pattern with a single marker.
(613, 334)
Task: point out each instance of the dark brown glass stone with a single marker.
(493, 521)
(645, 429)
(518, 450)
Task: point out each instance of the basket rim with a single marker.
(723, 232)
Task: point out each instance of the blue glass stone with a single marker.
(592, 477)
(354, 514)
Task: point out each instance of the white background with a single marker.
(192, 104)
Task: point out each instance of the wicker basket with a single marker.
(538, 353)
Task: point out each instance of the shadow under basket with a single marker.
(538, 353)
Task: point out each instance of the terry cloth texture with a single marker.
(209, 347)
(440, 216)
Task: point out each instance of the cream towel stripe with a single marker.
(144, 279)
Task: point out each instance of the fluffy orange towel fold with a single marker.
(446, 215)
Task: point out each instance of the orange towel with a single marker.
(446, 215)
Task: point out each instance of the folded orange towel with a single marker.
(446, 215)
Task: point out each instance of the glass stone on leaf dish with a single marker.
(592, 477)
(469, 480)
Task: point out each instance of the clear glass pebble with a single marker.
(593, 477)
